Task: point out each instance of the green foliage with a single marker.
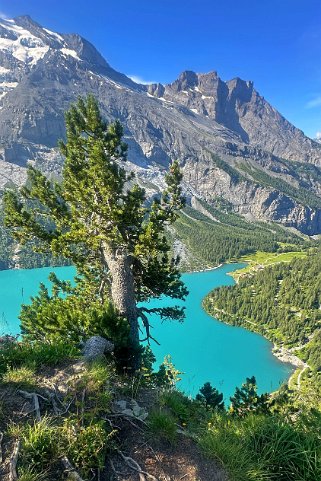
(30, 256)
(92, 393)
(260, 448)
(230, 237)
(246, 400)
(72, 313)
(302, 194)
(162, 426)
(281, 302)
(312, 352)
(43, 443)
(30, 474)
(211, 397)
(25, 255)
(167, 375)
(22, 377)
(17, 354)
(79, 432)
(97, 376)
(6, 244)
(186, 411)
(236, 177)
(39, 445)
(99, 219)
(148, 359)
(86, 447)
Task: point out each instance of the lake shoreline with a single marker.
(285, 355)
(207, 269)
(281, 353)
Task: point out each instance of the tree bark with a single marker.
(123, 294)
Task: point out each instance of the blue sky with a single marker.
(275, 43)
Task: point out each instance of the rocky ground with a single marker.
(136, 455)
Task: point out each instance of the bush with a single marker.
(210, 397)
(72, 313)
(186, 411)
(179, 405)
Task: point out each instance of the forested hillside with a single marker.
(219, 235)
(282, 302)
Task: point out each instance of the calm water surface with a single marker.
(202, 347)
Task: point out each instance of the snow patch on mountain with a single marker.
(71, 53)
(25, 47)
(54, 34)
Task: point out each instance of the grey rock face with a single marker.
(266, 163)
(95, 347)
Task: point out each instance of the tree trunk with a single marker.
(123, 294)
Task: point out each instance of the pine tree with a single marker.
(98, 218)
(210, 396)
(246, 399)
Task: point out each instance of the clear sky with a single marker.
(275, 43)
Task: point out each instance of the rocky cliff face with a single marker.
(229, 140)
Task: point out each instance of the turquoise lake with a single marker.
(202, 347)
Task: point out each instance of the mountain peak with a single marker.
(25, 19)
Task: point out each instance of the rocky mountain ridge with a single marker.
(230, 141)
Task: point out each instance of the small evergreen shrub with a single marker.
(210, 397)
(71, 313)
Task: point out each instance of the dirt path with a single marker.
(299, 376)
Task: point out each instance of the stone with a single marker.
(96, 347)
(130, 408)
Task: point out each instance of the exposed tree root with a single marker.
(34, 397)
(52, 398)
(126, 416)
(131, 463)
(115, 471)
(72, 473)
(13, 476)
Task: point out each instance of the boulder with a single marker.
(96, 347)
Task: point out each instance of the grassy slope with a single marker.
(260, 259)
